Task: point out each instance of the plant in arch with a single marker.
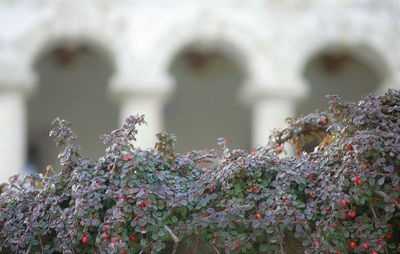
(343, 197)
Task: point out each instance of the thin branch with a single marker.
(29, 249)
(373, 211)
(174, 237)
(16, 186)
(280, 243)
(245, 242)
(215, 248)
(49, 171)
(172, 234)
(142, 251)
(41, 244)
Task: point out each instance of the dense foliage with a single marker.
(343, 197)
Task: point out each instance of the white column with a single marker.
(12, 133)
(268, 114)
(149, 104)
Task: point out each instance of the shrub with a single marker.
(342, 197)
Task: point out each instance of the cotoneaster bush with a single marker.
(344, 197)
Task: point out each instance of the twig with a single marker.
(373, 211)
(245, 242)
(215, 248)
(41, 244)
(174, 237)
(280, 243)
(141, 252)
(29, 249)
(49, 170)
(16, 186)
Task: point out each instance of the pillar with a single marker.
(272, 102)
(149, 104)
(13, 137)
(268, 114)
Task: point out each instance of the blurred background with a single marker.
(201, 69)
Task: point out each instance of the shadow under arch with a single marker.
(205, 104)
(348, 71)
(73, 77)
(72, 43)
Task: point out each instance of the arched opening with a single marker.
(349, 73)
(72, 84)
(205, 105)
(340, 71)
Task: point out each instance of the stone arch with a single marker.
(234, 40)
(71, 42)
(350, 71)
(211, 75)
(365, 50)
(52, 30)
(72, 82)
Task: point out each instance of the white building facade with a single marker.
(282, 54)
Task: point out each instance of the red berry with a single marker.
(352, 245)
(374, 252)
(123, 252)
(236, 245)
(127, 158)
(138, 217)
(85, 240)
(143, 203)
(114, 239)
(352, 214)
(310, 176)
(105, 235)
(279, 149)
(258, 215)
(213, 186)
(206, 214)
(357, 181)
(254, 187)
(350, 146)
(380, 246)
(343, 202)
(133, 238)
(366, 246)
(389, 235)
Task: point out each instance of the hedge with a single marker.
(341, 197)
